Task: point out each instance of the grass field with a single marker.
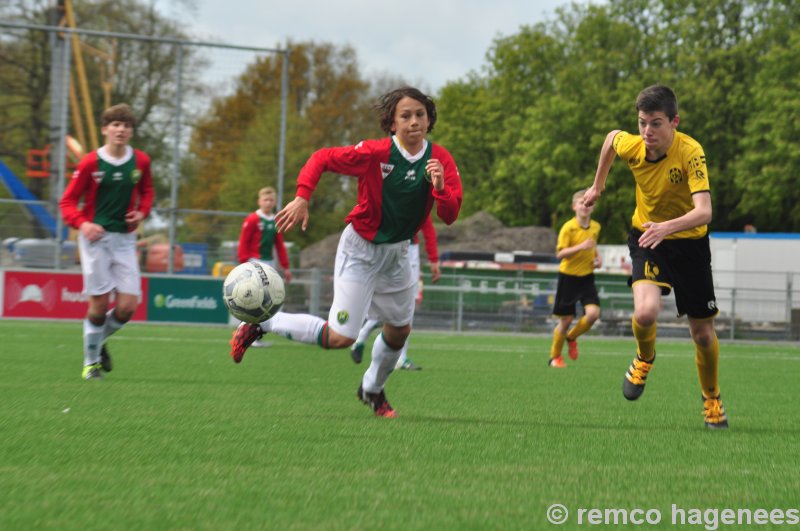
(488, 437)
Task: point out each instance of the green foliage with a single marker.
(144, 75)
(527, 135)
(236, 144)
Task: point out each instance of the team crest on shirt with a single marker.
(98, 176)
(386, 169)
(136, 175)
(675, 175)
(343, 316)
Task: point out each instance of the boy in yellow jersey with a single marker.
(669, 239)
(577, 250)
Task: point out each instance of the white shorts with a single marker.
(413, 257)
(110, 263)
(370, 279)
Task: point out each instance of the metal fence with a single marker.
(27, 213)
(521, 302)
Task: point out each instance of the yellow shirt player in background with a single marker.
(669, 239)
(577, 250)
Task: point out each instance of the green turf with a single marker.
(178, 436)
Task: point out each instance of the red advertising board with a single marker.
(51, 295)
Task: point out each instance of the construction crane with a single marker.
(81, 109)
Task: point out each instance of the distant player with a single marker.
(429, 233)
(401, 178)
(577, 250)
(259, 240)
(669, 240)
(115, 187)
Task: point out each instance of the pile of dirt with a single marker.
(481, 232)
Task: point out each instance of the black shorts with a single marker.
(571, 290)
(683, 265)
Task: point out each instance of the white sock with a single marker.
(111, 326)
(403, 356)
(92, 341)
(382, 365)
(366, 330)
(301, 327)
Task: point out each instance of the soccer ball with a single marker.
(253, 292)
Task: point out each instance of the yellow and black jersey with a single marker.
(664, 187)
(571, 234)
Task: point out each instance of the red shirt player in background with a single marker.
(115, 186)
(259, 237)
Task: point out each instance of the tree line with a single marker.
(525, 130)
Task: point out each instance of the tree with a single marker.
(145, 75)
(235, 145)
(528, 133)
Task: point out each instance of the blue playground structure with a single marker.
(18, 190)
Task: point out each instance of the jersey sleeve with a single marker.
(563, 237)
(78, 185)
(697, 171)
(448, 200)
(429, 233)
(280, 250)
(347, 160)
(249, 228)
(625, 145)
(145, 186)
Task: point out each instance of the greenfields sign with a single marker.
(186, 300)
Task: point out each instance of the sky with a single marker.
(425, 43)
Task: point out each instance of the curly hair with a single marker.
(387, 106)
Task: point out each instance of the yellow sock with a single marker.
(707, 360)
(645, 340)
(580, 328)
(558, 344)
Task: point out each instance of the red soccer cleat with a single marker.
(244, 336)
(377, 402)
(572, 349)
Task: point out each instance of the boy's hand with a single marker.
(133, 218)
(588, 243)
(292, 214)
(436, 272)
(654, 233)
(591, 196)
(435, 170)
(92, 231)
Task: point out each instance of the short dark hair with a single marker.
(387, 106)
(658, 98)
(119, 113)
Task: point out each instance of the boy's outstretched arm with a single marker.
(607, 155)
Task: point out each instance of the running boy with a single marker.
(400, 178)
(577, 250)
(116, 187)
(669, 239)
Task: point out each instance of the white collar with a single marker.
(408, 156)
(106, 156)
